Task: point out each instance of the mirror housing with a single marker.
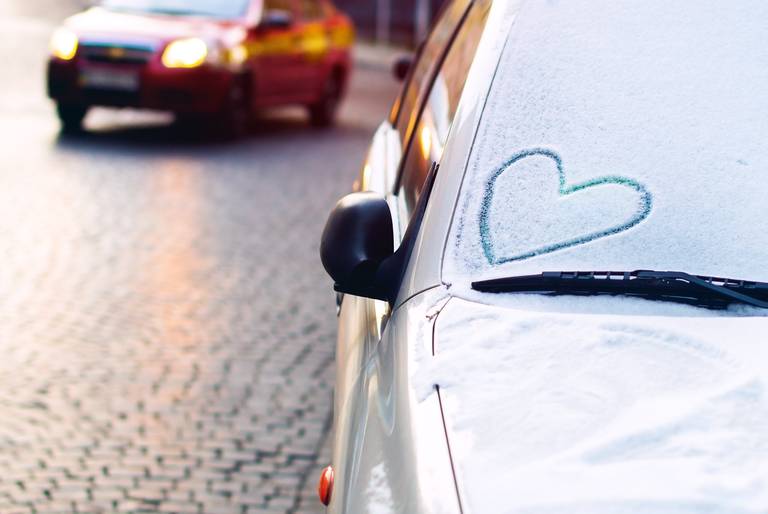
(402, 66)
(276, 19)
(357, 239)
(357, 248)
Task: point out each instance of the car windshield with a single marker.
(621, 136)
(225, 9)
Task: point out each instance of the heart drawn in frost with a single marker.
(567, 233)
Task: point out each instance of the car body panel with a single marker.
(379, 169)
(390, 452)
(197, 90)
(281, 66)
(380, 165)
(361, 320)
(289, 60)
(593, 409)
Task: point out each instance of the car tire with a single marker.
(234, 120)
(323, 113)
(71, 116)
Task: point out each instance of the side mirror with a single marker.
(276, 19)
(357, 248)
(357, 239)
(402, 66)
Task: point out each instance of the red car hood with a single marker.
(661, 409)
(104, 25)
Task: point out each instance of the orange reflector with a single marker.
(325, 486)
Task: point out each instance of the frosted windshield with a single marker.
(621, 136)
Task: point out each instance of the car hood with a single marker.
(554, 411)
(101, 24)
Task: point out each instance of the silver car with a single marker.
(555, 268)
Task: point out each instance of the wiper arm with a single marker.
(669, 285)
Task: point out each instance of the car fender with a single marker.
(390, 450)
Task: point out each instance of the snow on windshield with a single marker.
(622, 135)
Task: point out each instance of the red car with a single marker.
(219, 60)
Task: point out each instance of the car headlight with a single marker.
(64, 44)
(237, 55)
(185, 53)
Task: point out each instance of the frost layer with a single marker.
(622, 135)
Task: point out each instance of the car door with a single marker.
(314, 43)
(275, 55)
(362, 321)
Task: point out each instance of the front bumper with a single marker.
(197, 90)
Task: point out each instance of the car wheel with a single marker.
(234, 119)
(323, 113)
(71, 116)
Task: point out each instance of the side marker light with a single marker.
(325, 486)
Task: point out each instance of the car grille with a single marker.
(116, 54)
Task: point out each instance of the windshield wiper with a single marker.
(662, 285)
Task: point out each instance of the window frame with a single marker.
(295, 9)
(422, 106)
(320, 8)
(396, 113)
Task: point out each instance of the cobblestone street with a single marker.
(166, 329)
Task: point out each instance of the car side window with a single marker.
(406, 108)
(280, 5)
(436, 118)
(311, 10)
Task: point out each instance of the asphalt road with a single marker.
(166, 329)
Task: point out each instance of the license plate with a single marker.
(118, 80)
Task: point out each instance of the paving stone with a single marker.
(180, 507)
(166, 329)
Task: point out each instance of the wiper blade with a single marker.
(667, 285)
